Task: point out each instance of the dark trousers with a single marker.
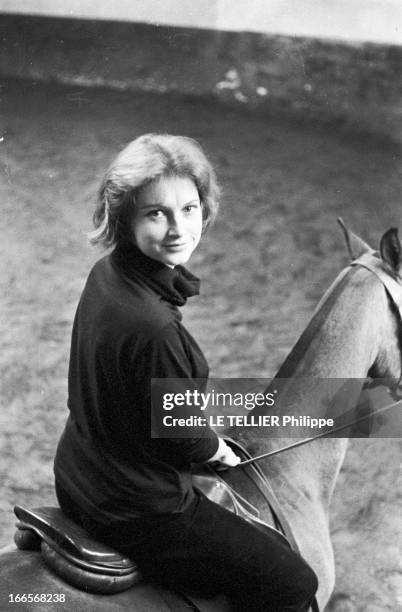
(207, 550)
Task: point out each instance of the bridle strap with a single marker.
(376, 266)
(326, 433)
(392, 286)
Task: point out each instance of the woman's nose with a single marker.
(175, 225)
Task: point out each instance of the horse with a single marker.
(354, 333)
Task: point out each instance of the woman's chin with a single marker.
(176, 261)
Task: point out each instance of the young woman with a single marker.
(126, 488)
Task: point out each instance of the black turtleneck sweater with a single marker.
(127, 330)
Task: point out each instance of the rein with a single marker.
(323, 434)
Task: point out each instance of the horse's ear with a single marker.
(391, 250)
(356, 246)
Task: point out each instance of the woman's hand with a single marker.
(224, 455)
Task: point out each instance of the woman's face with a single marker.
(167, 222)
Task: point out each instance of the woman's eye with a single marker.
(191, 207)
(155, 213)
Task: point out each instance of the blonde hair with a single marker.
(143, 160)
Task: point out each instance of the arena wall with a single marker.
(349, 20)
(358, 83)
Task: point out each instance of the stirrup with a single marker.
(72, 554)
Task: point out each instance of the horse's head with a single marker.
(386, 265)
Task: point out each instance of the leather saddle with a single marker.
(91, 566)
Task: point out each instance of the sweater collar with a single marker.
(173, 284)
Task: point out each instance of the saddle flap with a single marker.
(213, 486)
(215, 489)
(56, 529)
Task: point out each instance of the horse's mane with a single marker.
(320, 316)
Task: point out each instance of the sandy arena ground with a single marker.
(264, 265)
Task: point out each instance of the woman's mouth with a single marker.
(175, 246)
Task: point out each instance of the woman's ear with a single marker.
(356, 246)
(390, 250)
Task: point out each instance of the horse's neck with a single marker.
(337, 349)
(342, 339)
(350, 329)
